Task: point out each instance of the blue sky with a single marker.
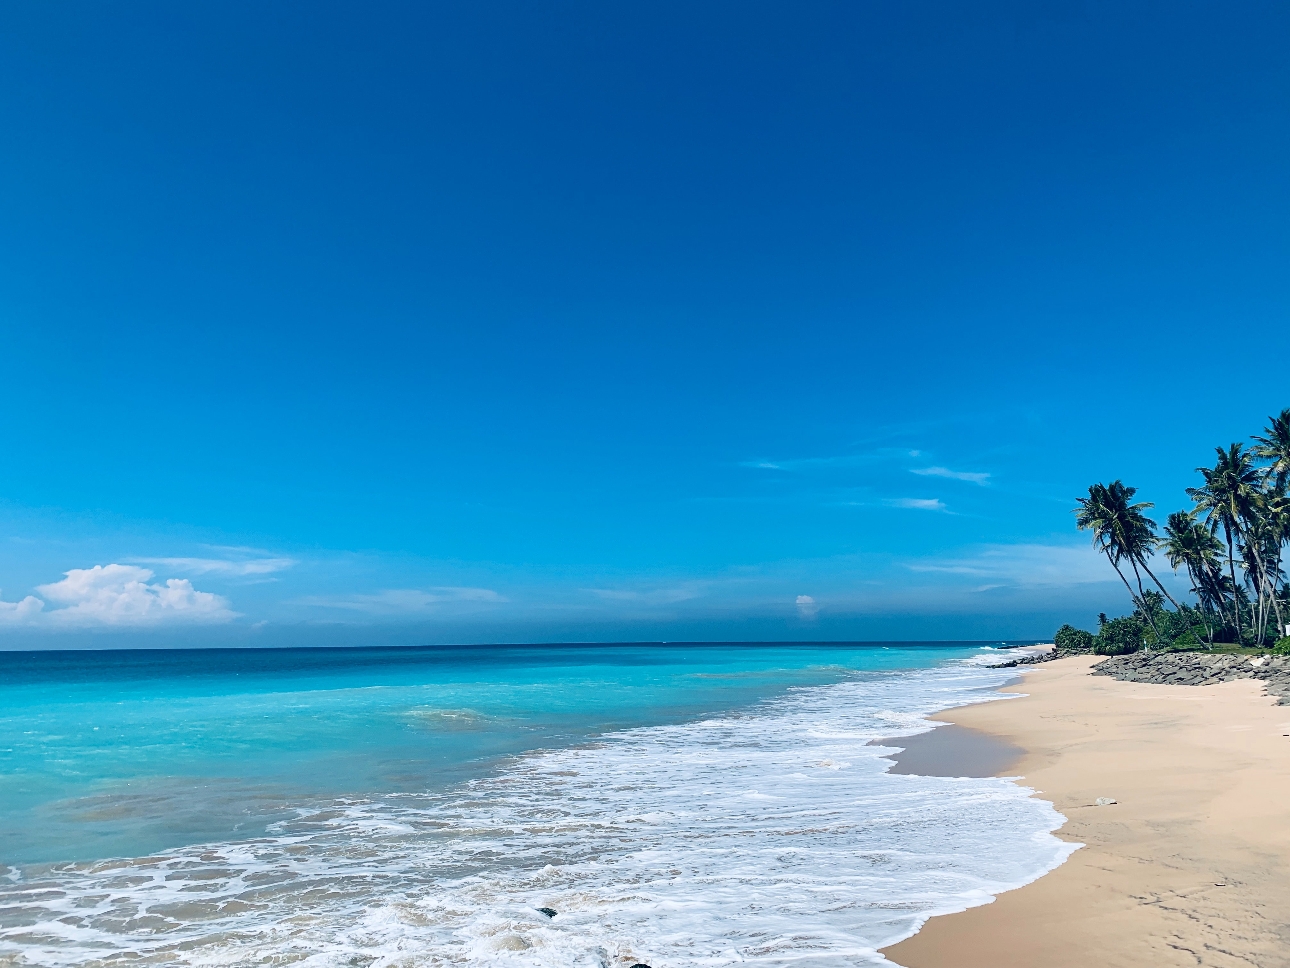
(376, 323)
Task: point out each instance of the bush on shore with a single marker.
(1282, 645)
(1183, 628)
(1119, 636)
(1071, 639)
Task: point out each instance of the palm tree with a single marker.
(1275, 448)
(1227, 498)
(1095, 514)
(1265, 532)
(1121, 531)
(1191, 544)
(1276, 512)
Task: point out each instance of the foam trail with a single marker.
(775, 837)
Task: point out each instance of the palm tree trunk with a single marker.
(1231, 568)
(1275, 597)
(1276, 604)
(1145, 610)
(1221, 598)
(1272, 594)
(1259, 619)
(1264, 611)
(1132, 597)
(1218, 601)
(1276, 601)
(1195, 590)
(1158, 585)
(1260, 574)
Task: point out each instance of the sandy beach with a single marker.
(1190, 866)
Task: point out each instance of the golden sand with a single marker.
(1191, 865)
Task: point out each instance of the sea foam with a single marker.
(773, 836)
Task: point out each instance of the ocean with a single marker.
(674, 805)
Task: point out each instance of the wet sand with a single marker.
(953, 751)
(1190, 867)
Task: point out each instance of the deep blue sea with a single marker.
(676, 804)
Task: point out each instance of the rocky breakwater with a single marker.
(1034, 657)
(1200, 669)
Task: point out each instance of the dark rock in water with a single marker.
(1034, 658)
(549, 912)
(640, 964)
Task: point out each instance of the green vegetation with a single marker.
(1120, 636)
(1229, 543)
(1071, 639)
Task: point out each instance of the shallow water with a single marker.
(675, 805)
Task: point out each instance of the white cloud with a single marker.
(20, 613)
(120, 596)
(223, 566)
(806, 606)
(917, 503)
(655, 596)
(1026, 565)
(404, 600)
(807, 464)
(975, 478)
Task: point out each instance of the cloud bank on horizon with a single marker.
(115, 596)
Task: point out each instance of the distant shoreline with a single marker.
(1190, 865)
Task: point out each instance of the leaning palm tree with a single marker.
(1096, 513)
(1274, 448)
(1227, 499)
(1121, 532)
(1145, 542)
(1136, 533)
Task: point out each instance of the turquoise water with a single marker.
(684, 806)
(108, 754)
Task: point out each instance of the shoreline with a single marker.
(1191, 865)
